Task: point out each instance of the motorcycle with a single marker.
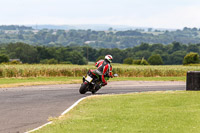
(92, 83)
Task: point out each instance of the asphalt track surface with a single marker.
(26, 108)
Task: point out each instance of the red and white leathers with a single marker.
(104, 69)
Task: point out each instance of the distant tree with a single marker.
(4, 58)
(76, 58)
(177, 57)
(157, 51)
(14, 27)
(61, 39)
(186, 28)
(90, 53)
(140, 62)
(193, 48)
(143, 46)
(156, 47)
(165, 58)
(73, 44)
(136, 62)
(176, 46)
(194, 29)
(128, 61)
(49, 61)
(142, 54)
(110, 29)
(191, 58)
(117, 54)
(52, 61)
(44, 53)
(155, 60)
(157, 31)
(100, 58)
(15, 62)
(168, 48)
(20, 36)
(144, 62)
(26, 53)
(150, 29)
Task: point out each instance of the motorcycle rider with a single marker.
(104, 69)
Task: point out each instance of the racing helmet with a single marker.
(109, 58)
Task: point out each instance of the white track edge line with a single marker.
(39, 127)
(76, 103)
(67, 110)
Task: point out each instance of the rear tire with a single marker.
(83, 88)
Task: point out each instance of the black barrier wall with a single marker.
(193, 80)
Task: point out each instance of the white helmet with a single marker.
(108, 58)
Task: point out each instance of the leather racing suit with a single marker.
(103, 69)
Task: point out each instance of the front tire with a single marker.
(83, 88)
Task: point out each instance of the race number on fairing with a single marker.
(88, 78)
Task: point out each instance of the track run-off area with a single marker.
(25, 108)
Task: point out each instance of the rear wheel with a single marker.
(83, 88)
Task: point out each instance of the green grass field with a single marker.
(14, 82)
(149, 112)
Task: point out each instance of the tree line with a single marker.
(171, 54)
(14, 27)
(96, 39)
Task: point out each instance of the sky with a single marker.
(138, 13)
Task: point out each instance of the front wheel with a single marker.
(83, 88)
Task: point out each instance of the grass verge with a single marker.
(150, 112)
(14, 82)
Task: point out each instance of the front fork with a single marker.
(83, 79)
